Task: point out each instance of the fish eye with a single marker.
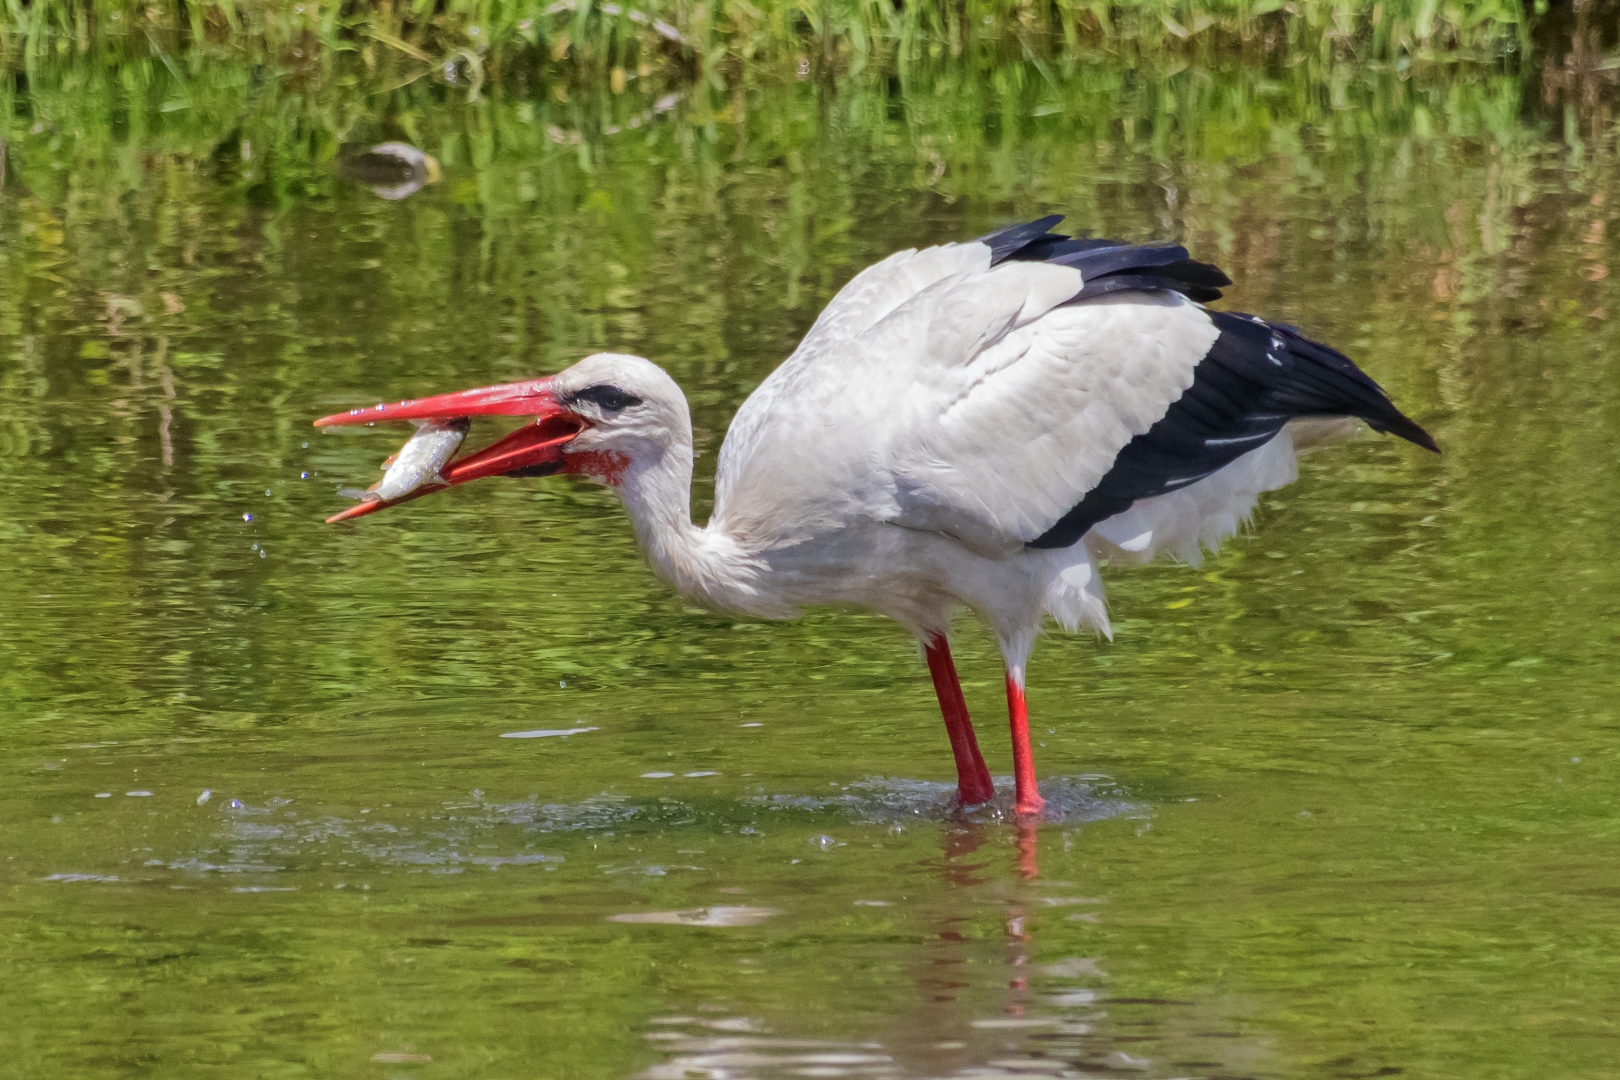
(608, 398)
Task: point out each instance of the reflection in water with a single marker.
(393, 170)
(982, 1007)
(1028, 836)
(721, 915)
(695, 1054)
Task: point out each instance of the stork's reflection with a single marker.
(973, 993)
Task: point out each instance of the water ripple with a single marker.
(882, 800)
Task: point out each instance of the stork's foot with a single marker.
(974, 789)
(1029, 805)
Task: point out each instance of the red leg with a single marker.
(973, 784)
(1028, 799)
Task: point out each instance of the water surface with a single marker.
(1338, 803)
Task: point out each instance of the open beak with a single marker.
(533, 450)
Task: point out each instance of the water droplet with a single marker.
(262, 554)
(1574, 761)
(563, 683)
(234, 804)
(138, 794)
(103, 794)
(824, 842)
(247, 517)
(656, 775)
(255, 547)
(303, 476)
(204, 797)
(306, 446)
(267, 491)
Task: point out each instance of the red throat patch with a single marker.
(605, 465)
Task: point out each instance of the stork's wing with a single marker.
(1016, 390)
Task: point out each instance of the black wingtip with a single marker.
(1194, 272)
(1346, 385)
(1004, 242)
(1403, 426)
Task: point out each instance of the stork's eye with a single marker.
(608, 398)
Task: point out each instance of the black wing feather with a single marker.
(1145, 283)
(1017, 237)
(1108, 266)
(1255, 378)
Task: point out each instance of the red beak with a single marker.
(533, 450)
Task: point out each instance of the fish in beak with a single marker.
(532, 450)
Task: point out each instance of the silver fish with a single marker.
(418, 462)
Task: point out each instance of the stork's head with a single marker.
(607, 417)
(630, 409)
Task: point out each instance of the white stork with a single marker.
(971, 425)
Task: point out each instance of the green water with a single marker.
(1340, 803)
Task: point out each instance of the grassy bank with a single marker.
(478, 35)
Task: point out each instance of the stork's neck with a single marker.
(704, 564)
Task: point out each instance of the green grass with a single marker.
(480, 35)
